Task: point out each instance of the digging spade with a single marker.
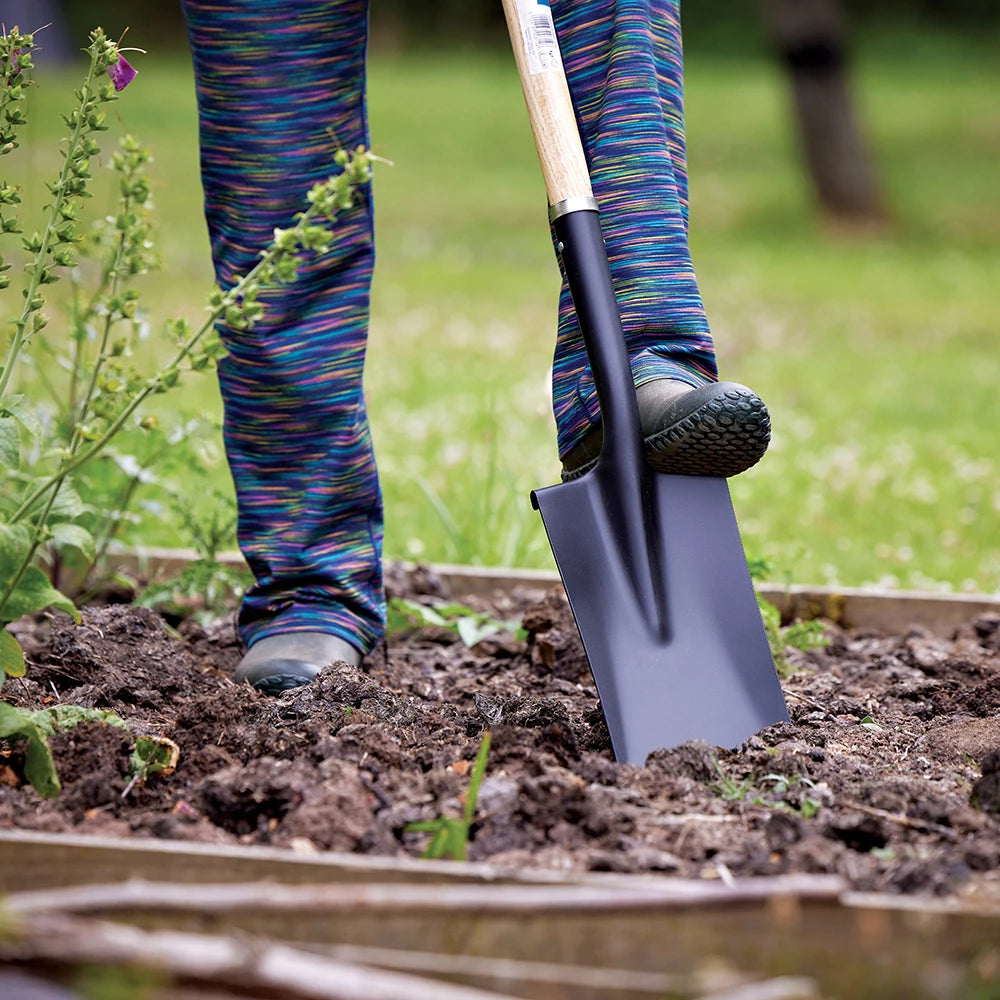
(652, 564)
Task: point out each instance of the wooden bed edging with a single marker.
(539, 935)
(36, 861)
(850, 607)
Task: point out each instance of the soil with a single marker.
(888, 773)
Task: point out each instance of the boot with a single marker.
(279, 662)
(717, 429)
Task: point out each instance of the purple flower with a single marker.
(122, 73)
(14, 67)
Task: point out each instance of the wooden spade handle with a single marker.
(550, 109)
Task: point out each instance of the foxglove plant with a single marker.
(39, 502)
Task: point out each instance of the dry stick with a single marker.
(227, 898)
(808, 701)
(781, 988)
(243, 962)
(926, 826)
(580, 976)
(683, 820)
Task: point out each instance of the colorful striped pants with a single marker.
(280, 87)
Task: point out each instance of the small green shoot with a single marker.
(204, 590)
(150, 755)
(450, 837)
(870, 725)
(727, 787)
(469, 625)
(748, 791)
(883, 853)
(803, 635)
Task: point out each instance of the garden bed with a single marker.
(874, 779)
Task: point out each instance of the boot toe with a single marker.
(720, 429)
(288, 660)
(275, 675)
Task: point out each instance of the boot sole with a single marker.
(725, 436)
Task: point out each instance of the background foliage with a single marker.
(875, 349)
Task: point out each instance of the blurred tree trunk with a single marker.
(810, 39)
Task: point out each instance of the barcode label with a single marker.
(539, 33)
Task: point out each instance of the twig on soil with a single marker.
(924, 825)
(687, 818)
(809, 701)
(241, 962)
(782, 988)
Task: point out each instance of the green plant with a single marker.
(469, 625)
(206, 587)
(799, 635)
(39, 500)
(775, 797)
(37, 728)
(870, 725)
(450, 837)
(150, 755)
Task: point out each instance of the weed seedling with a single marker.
(450, 837)
(748, 791)
(798, 635)
(38, 728)
(469, 625)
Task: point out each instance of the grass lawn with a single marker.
(876, 352)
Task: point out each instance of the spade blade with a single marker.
(696, 664)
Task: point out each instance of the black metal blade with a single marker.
(700, 667)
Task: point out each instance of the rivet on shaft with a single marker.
(560, 246)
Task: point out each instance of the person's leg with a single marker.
(280, 89)
(624, 64)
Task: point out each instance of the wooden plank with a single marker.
(884, 610)
(36, 861)
(882, 949)
(850, 607)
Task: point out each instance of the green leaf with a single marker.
(67, 535)
(11, 656)
(59, 718)
(67, 503)
(473, 630)
(27, 419)
(152, 755)
(10, 443)
(15, 543)
(33, 593)
(405, 614)
(39, 767)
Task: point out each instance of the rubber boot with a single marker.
(716, 429)
(277, 663)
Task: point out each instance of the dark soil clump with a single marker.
(888, 773)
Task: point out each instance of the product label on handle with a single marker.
(539, 34)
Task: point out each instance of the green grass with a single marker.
(876, 352)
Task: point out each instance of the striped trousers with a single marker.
(280, 86)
